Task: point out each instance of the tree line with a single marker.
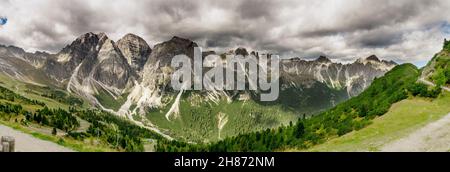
(348, 116)
(116, 132)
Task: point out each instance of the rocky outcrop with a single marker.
(156, 74)
(24, 66)
(85, 47)
(164, 52)
(135, 50)
(241, 51)
(354, 77)
(323, 59)
(111, 69)
(92, 65)
(36, 59)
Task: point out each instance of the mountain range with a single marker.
(131, 79)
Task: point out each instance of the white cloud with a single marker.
(401, 30)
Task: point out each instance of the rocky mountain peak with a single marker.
(175, 38)
(83, 50)
(207, 53)
(12, 48)
(135, 50)
(323, 59)
(86, 38)
(112, 69)
(36, 59)
(294, 59)
(129, 37)
(256, 54)
(182, 42)
(83, 44)
(241, 51)
(391, 62)
(90, 38)
(86, 43)
(102, 37)
(11, 51)
(373, 58)
(164, 52)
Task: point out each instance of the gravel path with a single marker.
(27, 143)
(432, 84)
(434, 137)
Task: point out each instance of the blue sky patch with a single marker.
(3, 20)
(445, 27)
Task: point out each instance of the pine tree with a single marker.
(54, 132)
(299, 130)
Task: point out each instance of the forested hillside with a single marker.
(105, 132)
(438, 69)
(351, 115)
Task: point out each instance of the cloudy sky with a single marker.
(400, 30)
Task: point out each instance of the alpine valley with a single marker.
(117, 94)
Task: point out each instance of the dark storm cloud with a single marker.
(178, 10)
(82, 17)
(221, 40)
(6, 41)
(379, 41)
(371, 15)
(254, 9)
(376, 38)
(341, 29)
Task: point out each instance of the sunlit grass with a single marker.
(402, 119)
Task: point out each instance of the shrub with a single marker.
(418, 89)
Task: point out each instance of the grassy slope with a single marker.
(108, 101)
(66, 142)
(23, 89)
(43, 132)
(402, 119)
(198, 123)
(352, 115)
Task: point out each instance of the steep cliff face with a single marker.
(112, 68)
(156, 75)
(103, 71)
(85, 47)
(354, 77)
(164, 52)
(24, 66)
(135, 50)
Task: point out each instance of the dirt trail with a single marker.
(434, 137)
(27, 143)
(432, 84)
